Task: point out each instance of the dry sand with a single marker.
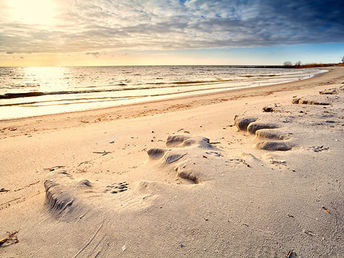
(180, 177)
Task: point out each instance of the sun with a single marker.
(33, 12)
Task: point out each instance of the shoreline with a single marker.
(181, 98)
(77, 118)
(140, 99)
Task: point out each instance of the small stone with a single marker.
(268, 109)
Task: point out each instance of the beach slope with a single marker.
(253, 173)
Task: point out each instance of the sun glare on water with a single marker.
(33, 12)
(49, 78)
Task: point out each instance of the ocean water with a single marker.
(33, 91)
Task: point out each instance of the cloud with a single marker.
(92, 26)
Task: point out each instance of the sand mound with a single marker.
(176, 140)
(270, 126)
(251, 125)
(70, 198)
(189, 175)
(273, 146)
(186, 141)
(265, 130)
(242, 123)
(182, 159)
(85, 183)
(155, 153)
(255, 126)
(60, 198)
(172, 157)
(271, 134)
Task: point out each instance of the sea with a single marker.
(35, 91)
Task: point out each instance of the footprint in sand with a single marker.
(117, 188)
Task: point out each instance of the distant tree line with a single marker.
(289, 64)
(298, 64)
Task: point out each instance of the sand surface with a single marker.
(207, 176)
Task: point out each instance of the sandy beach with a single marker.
(247, 173)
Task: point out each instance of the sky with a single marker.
(170, 32)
